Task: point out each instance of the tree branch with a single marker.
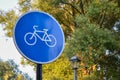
(102, 19)
(81, 6)
(67, 11)
(71, 6)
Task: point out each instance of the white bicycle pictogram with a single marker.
(30, 38)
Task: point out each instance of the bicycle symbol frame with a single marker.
(30, 38)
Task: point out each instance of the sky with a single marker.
(7, 47)
(7, 4)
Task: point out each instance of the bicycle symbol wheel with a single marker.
(50, 40)
(30, 38)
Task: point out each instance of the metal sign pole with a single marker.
(75, 73)
(39, 72)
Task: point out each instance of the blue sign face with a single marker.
(39, 37)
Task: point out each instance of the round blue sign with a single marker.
(39, 37)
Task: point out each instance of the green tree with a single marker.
(57, 70)
(90, 44)
(9, 71)
(95, 35)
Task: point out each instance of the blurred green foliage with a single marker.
(9, 71)
(90, 29)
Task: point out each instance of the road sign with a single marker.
(39, 37)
